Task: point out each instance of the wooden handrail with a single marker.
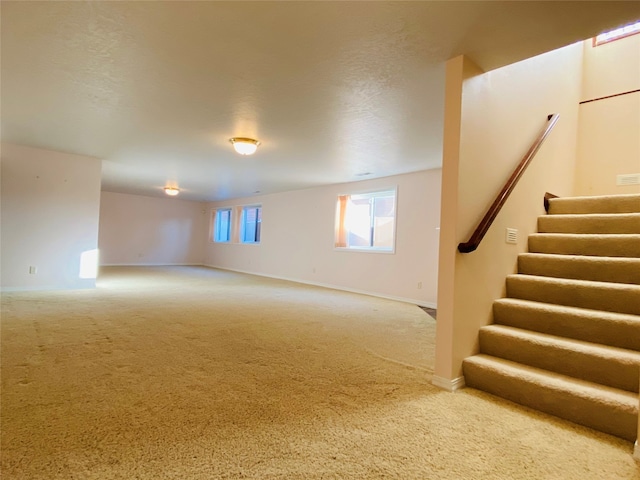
(495, 208)
(548, 196)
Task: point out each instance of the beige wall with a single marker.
(610, 68)
(50, 205)
(298, 240)
(609, 138)
(138, 230)
(636, 451)
(491, 120)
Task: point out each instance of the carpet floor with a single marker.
(197, 373)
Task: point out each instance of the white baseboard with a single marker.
(448, 385)
(152, 265)
(333, 287)
(636, 451)
(49, 288)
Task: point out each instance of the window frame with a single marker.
(243, 225)
(620, 36)
(341, 234)
(216, 224)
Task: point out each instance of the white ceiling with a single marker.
(333, 90)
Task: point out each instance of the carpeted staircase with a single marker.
(566, 340)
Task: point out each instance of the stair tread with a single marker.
(595, 215)
(604, 408)
(604, 236)
(557, 265)
(565, 343)
(599, 326)
(622, 203)
(614, 197)
(590, 223)
(600, 314)
(575, 282)
(557, 381)
(582, 258)
(586, 244)
(597, 295)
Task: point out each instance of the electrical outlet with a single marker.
(419, 285)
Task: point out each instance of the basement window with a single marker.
(617, 34)
(222, 225)
(366, 221)
(250, 224)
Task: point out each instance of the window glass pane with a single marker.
(618, 33)
(258, 223)
(251, 222)
(222, 228)
(366, 221)
(383, 221)
(358, 221)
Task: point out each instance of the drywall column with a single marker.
(50, 209)
(457, 70)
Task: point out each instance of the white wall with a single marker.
(608, 137)
(138, 230)
(297, 240)
(50, 205)
(491, 119)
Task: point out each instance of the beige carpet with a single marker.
(194, 373)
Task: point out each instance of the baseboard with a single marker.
(448, 385)
(48, 288)
(333, 287)
(153, 265)
(636, 451)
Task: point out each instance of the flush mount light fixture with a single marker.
(244, 146)
(171, 191)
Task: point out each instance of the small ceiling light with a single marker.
(244, 146)
(171, 191)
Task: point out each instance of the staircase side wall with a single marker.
(608, 139)
(501, 113)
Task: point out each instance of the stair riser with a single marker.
(618, 270)
(614, 298)
(621, 422)
(589, 224)
(587, 327)
(581, 245)
(619, 373)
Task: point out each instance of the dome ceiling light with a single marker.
(244, 146)
(171, 191)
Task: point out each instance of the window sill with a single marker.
(365, 250)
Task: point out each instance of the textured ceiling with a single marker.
(333, 90)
